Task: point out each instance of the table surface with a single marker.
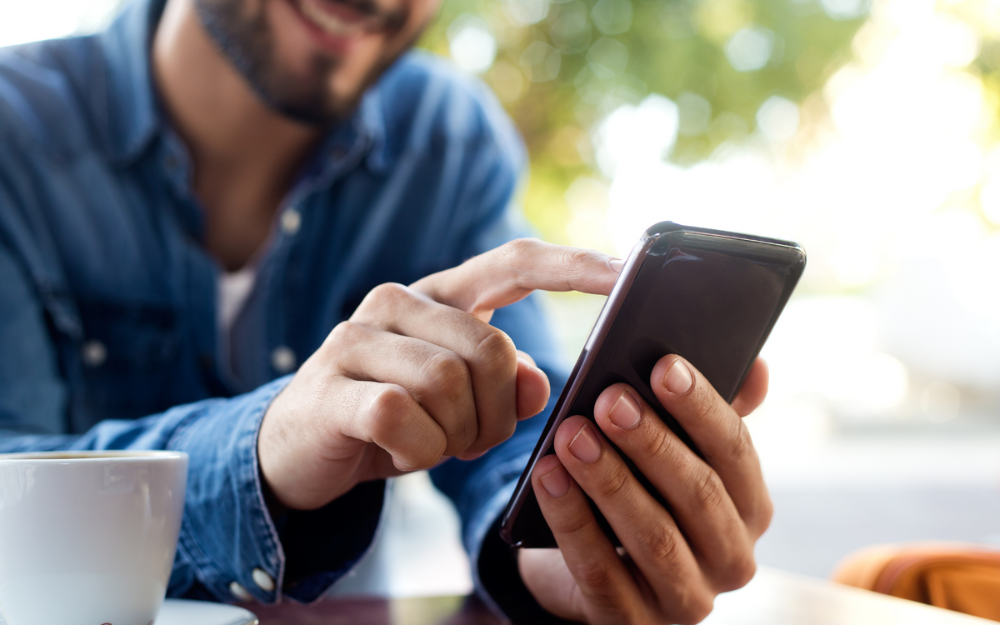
(772, 598)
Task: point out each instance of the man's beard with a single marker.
(248, 43)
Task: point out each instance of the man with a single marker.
(214, 194)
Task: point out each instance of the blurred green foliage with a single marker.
(985, 17)
(560, 66)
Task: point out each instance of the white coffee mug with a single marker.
(88, 538)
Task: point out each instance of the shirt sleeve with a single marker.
(229, 545)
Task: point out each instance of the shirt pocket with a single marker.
(127, 361)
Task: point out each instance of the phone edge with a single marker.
(576, 377)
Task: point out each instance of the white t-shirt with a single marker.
(234, 291)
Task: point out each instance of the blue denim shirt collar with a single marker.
(133, 112)
(135, 117)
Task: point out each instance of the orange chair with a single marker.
(963, 578)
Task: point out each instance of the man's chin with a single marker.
(321, 116)
(324, 107)
(308, 86)
(316, 108)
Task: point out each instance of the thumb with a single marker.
(532, 387)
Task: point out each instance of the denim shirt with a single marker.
(108, 321)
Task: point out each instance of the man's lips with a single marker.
(337, 19)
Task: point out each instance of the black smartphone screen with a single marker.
(709, 296)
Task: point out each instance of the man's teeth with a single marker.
(330, 23)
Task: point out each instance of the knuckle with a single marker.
(709, 491)
(660, 543)
(345, 333)
(740, 446)
(747, 569)
(734, 569)
(739, 573)
(579, 257)
(460, 438)
(704, 407)
(445, 372)
(580, 261)
(497, 353)
(424, 457)
(570, 523)
(597, 581)
(614, 481)
(389, 411)
(765, 515)
(518, 248)
(662, 443)
(391, 400)
(512, 255)
(760, 515)
(428, 451)
(694, 608)
(386, 409)
(387, 294)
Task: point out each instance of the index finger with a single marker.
(510, 273)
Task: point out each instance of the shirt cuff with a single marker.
(228, 540)
(324, 545)
(227, 535)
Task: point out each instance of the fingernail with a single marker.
(616, 264)
(556, 482)
(625, 413)
(585, 445)
(678, 379)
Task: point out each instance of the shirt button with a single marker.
(262, 579)
(291, 221)
(283, 359)
(240, 592)
(94, 353)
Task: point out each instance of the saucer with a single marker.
(184, 612)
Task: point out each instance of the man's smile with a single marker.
(339, 18)
(336, 24)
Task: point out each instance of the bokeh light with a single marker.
(749, 49)
(471, 44)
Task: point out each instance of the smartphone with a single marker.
(711, 297)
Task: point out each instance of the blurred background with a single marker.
(867, 130)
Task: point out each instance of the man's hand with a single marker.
(674, 563)
(417, 375)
